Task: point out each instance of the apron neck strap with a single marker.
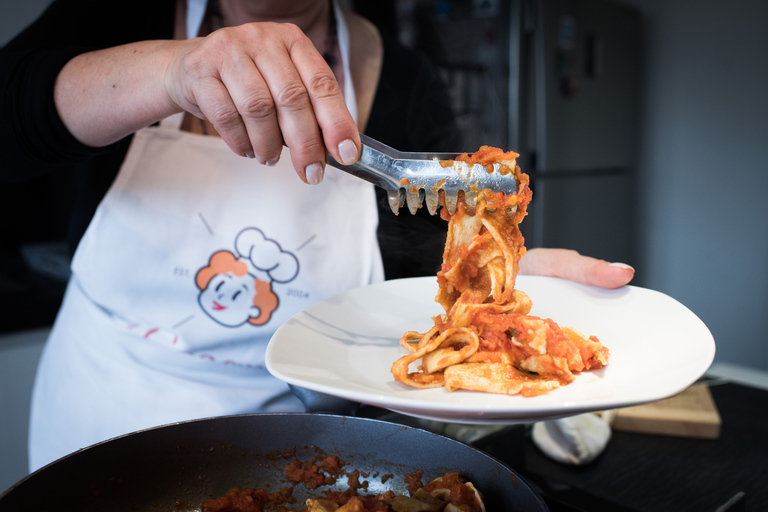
(343, 38)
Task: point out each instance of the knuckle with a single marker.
(291, 31)
(258, 106)
(254, 31)
(323, 85)
(222, 37)
(202, 59)
(293, 95)
(270, 32)
(225, 118)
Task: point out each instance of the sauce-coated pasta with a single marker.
(486, 340)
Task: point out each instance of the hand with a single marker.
(571, 265)
(263, 85)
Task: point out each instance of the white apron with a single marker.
(194, 258)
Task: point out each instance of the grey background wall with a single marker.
(704, 166)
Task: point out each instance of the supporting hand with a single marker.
(571, 265)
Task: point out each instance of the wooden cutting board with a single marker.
(692, 413)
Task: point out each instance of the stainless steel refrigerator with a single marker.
(558, 81)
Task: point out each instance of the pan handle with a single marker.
(316, 402)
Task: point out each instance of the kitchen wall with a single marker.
(704, 166)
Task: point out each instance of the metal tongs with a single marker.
(419, 177)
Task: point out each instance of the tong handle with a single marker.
(385, 166)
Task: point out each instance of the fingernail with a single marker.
(250, 155)
(348, 152)
(273, 162)
(621, 265)
(314, 173)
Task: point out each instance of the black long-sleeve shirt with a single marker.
(411, 112)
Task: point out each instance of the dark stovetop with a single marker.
(643, 472)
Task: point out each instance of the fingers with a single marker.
(339, 131)
(571, 265)
(296, 119)
(263, 85)
(254, 129)
(311, 111)
(216, 104)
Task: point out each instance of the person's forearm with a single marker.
(105, 95)
(261, 85)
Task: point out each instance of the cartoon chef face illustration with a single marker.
(231, 294)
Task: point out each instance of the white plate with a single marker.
(345, 346)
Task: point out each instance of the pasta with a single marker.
(448, 493)
(486, 340)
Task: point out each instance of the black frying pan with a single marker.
(176, 467)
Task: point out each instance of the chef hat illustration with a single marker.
(266, 255)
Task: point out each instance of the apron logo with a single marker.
(236, 287)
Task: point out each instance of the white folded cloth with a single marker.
(575, 440)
